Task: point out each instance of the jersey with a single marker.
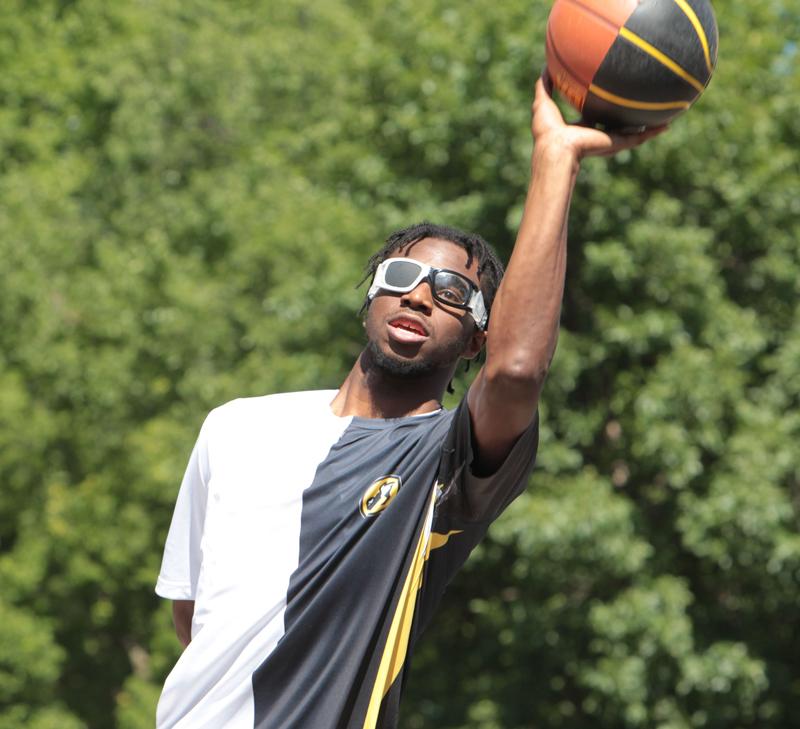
(316, 549)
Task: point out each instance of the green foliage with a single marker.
(189, 193)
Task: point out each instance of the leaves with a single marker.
(189, 194)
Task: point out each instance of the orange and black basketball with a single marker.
(631, 63)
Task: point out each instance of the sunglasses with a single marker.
(400, 275)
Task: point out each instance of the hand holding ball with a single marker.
(631, 63)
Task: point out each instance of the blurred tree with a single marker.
(189, 193)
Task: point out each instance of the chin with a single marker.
(393, 364)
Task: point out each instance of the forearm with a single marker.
(524, 324)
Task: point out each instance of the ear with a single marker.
(474, 344)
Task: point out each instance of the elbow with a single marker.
(516, 378)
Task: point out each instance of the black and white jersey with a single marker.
(316, 548)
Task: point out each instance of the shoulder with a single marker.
(246, 412)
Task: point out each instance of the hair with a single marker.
(490, 268)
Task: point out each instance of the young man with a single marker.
(315, 532)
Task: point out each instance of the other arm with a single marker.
(523, 327)
(180, 566)
(182, 613)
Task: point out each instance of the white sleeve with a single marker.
(180, 565)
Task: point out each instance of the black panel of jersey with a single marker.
(391, 515)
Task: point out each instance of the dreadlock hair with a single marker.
(490, 268)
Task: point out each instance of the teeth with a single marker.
(409, 328)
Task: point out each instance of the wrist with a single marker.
(555, 149)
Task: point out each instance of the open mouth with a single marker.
(407, 330)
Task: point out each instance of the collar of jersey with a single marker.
(388, 422)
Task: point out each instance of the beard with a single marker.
(396, 366)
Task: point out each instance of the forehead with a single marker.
(441, 254)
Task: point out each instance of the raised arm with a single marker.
(523, 328)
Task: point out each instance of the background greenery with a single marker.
(188, 192)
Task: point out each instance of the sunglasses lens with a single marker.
(452, 288)
(401, 273)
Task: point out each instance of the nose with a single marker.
(419, 298)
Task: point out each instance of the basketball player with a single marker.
(315, 532)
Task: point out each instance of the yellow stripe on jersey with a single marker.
(396, 648)
(660, 57)
(439, 540)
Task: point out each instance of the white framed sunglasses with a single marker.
(400, 275)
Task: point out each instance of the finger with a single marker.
(540, 90)
(547, 80)
(634, 139)
(541, 97)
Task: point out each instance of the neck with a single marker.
(369, 392)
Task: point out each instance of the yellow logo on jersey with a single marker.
(380, 492)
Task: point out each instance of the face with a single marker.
(413, 334)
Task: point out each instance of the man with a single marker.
(315, 532)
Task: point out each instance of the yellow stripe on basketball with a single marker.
(634, 104)
(698, 28)
(659, 56)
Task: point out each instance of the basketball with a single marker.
(631, 63)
